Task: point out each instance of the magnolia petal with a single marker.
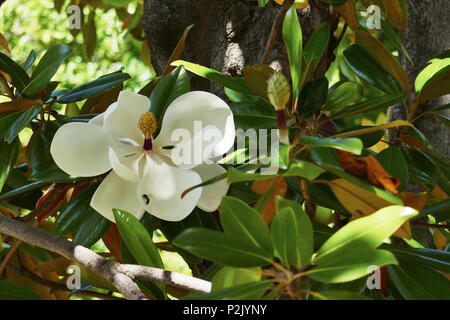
(192, 151)
(122, 117)
(126, 164)
(81, 149)
(193, 112)
(116, 193)
(211, 194)
(98, 120)
(159, 180)
(176, 208)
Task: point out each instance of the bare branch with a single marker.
(122, 276)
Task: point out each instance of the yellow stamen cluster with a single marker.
(147, 124)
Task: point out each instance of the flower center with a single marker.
(147, 124)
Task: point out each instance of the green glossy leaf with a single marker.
(117, 3)
(24, 196)
(20, 123)
(437, 86)
(262, 3)
(322, 233)
(367, 232)
(8, 156)
(19, 77)
(304, 169)
(245, 223)
(228, 277)
(235, 175)
(74, 213)
(436, 259)
(7, 119)
(215, 76)
(419, 282)
(348, 254)
(313, 97)
(325, 156)
(29, 60)
(13, 291)
(317, 43)
(92, 229)
(393, 35)
(253, 115)
(94, 87)
(40, 160)
(292, 36)
(395, 164)
(168, 89)
(421, 166)
(369, 70)
(431, 69)
(322, 195)
(148, 287)
(375, 104)
(137, 239)
(247, 291)
(435, 208)
(353, 145)
(140, 244)
(46, 68)
(221, 248)
(292, 234)
(343, 94)
(368, 139)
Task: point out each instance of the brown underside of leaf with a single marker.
(262, 186)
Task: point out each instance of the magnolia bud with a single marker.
(278, 91)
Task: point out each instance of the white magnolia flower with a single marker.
(144, 175)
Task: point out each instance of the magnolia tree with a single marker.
(280, 183)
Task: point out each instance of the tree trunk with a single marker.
(427, 35)
(227, 35)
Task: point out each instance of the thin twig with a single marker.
(344, 29)
(275, 27)
(8, 256)
(432, 226)
(122, 276)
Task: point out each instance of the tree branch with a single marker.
(122, 276)
(275, 27)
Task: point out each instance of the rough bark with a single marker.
(226, 36)
(427, 35)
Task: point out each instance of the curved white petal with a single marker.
(122, 117)
(81, 149)
(191, 151)
(126, 166)
(117, 193)
(173, 207)
(98, 119)
(159, 181)
(211, 194)
(193, 112)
